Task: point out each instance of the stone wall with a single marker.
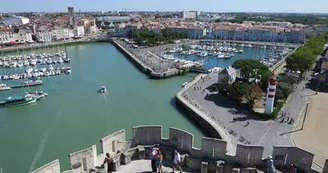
(211, 157)
(52, 167)
(84, 160)
(285, 156)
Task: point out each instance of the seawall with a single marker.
(203, 120)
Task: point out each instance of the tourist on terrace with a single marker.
(159, 161)
(153, 159)
(110, 163)
(176, 161)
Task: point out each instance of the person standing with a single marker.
(177, 161)
(153, 159)
(110, 163)
(294, 169)
(159, 161)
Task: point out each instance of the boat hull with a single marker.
(21, 103)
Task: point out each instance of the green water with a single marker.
(74, 116)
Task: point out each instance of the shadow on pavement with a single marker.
(290, 132)
(220, 100)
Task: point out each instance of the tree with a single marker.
(237, 90)
(252, 94)
(250, 67)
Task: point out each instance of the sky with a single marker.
(288, 6)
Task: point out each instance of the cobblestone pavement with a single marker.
(246, 128)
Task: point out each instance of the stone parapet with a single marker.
(211, 157)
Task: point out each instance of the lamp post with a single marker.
(306, 109)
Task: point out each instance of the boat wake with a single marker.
(43, 142)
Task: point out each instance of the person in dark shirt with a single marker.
(110, 163)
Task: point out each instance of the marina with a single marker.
(213, 54)
(134, 100)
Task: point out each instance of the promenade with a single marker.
(241, 126)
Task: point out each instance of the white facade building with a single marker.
(79, 31)
(60, 34)
(189, 14)
(44, 36)
(7, 37)
(16, 20)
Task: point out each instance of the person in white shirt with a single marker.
(177, 161)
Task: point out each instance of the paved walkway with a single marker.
(247, 129)
(140, 166)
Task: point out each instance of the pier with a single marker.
(149, 63)
(25, 85)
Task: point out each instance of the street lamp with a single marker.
(306, 109)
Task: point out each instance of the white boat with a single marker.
(29, 70)
(38, 94)
(43, 69)
(51, 68)
(4, 87)
(184, 84)
(103, 89)
(33, 62)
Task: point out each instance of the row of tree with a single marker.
(304, 57)
(149, 37)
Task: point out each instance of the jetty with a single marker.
(25, 85)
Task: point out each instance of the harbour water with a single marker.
(212, 61)
(74, 116)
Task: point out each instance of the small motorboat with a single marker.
(38, 94)
(103, 89)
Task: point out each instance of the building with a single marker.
(89, 24)
(228, 75)
(189, 14)
(7, 36)
(193, 32)
(79, 31)
(71, 15)
(15, 20)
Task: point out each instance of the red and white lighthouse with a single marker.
(271, 91)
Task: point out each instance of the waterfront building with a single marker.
(15, 20)
(45, 36)
(271, 91)
(24, 36)
(228, 75)
(7, 36)
(79, 31)
(61, 34)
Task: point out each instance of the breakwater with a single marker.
(143, 67)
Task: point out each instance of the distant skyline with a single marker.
(283, 6)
